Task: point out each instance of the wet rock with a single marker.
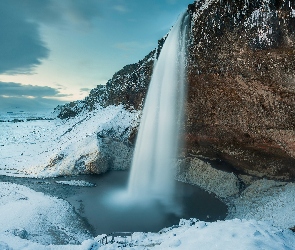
(197, 172)
(22, 233)
(115, 151)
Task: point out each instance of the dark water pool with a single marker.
(100, 207)
(105, 213)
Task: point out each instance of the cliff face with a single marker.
(241, 85)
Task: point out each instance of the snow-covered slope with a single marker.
(266, 200)
(190, 235)
(48, 148)
(35, 217)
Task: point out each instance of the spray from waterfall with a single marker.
(152, 172)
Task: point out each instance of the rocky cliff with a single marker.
(241, 86)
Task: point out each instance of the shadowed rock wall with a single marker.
(241, 85)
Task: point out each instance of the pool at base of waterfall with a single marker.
(97, 199)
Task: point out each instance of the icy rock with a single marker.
(198, 172)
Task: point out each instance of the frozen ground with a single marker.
(35, 217)
(49, 148)
(32, 220)
(266, 200)
(190, 235)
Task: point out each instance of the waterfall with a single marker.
(156, 149)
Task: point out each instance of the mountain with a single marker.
(240, 112)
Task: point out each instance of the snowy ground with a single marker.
(49, 148)
(266, 200)
(35, 217)
(190, 235)
(32, 220)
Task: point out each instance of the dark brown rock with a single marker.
(241, 87)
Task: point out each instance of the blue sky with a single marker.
(54, 50)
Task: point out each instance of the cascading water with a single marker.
(152, 172)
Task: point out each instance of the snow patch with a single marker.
(266, 200)
(260, 20)
(200, 10)
(246, 234)
(35, 217)
(78, 183)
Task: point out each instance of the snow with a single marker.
(260, 21)
(267, 200)
(50, 148)
(191, 234)
(78, 183)
(204, 6)
(35, 217)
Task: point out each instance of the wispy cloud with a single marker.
(56, 11)
(85, 89)
(22, 103)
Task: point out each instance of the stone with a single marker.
(241, 86)
(197, 172)
(115, 152)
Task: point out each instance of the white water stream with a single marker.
(152, 172)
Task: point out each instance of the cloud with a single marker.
(85, 89)
(28, 97)
(79, 11)
(17, 90)
(21, 47)
(59, 12)
(27, 104)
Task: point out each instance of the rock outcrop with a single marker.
(198, 172)
(115, 150)
(241, 85)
